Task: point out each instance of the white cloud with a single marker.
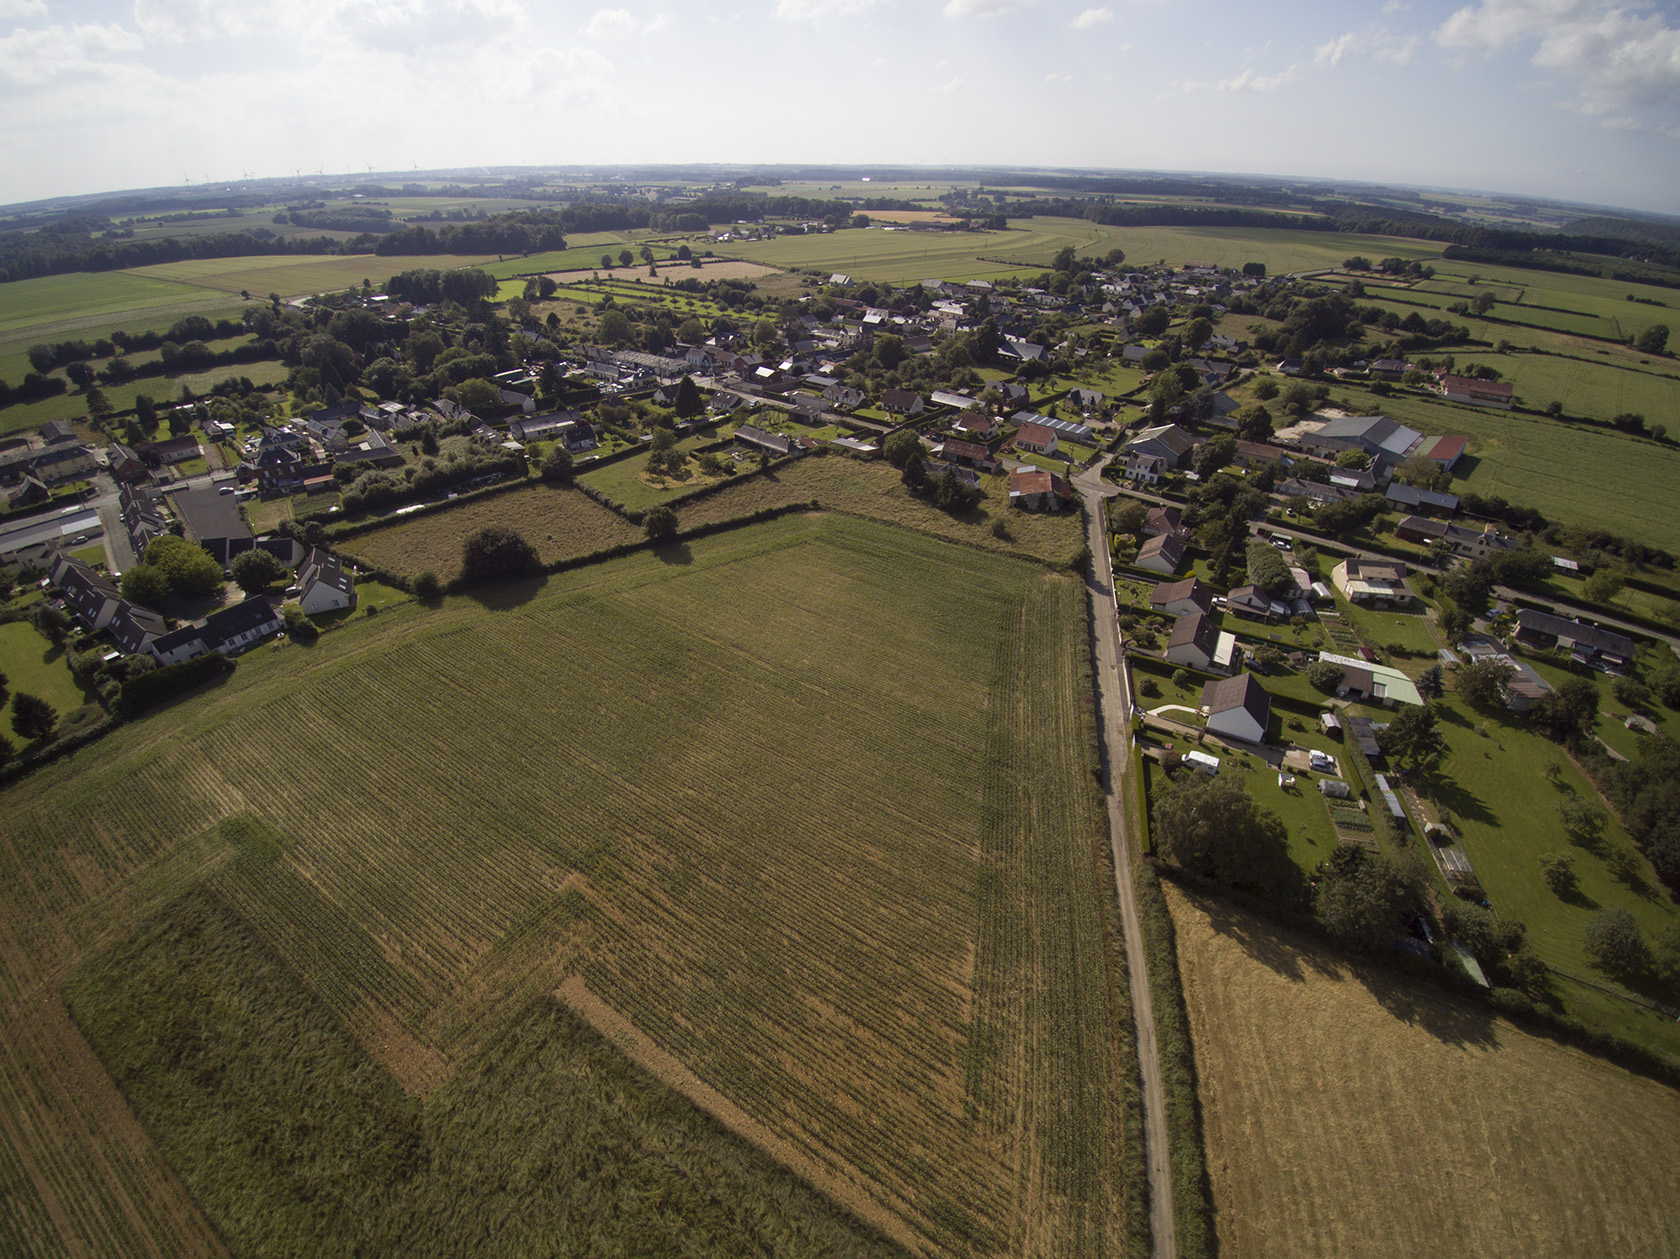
(816, 10)
(22, 8)
(1396, 6)
(30, 57)
(1247, 81)
(1623, 58)
(1331, 54)
(1378, 45)
(611, 24)
(981, 8)
(951, 85)
(1090, 18)
(1053, 77)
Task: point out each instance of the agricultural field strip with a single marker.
(1310, 1068)
(458, 933)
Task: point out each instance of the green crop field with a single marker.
(863, 921)
(28, 305)
(293, 275)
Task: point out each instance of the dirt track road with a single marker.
(1114, 701)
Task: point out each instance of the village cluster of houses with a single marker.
(98, 606)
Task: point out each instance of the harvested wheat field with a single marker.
(1350, 1111)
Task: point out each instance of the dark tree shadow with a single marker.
(676, 553)
(505, 596)
(1449, 795)
(1268, 943)
(1448, 1019)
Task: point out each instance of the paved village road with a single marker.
(1114, 705)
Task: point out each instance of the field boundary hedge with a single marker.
(1193, 1213)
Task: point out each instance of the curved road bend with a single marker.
(1114, 703)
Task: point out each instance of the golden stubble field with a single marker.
(1350, 1112)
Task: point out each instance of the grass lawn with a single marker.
(626, 482)
(1409, 631)
(1495, 787)
(34, 666)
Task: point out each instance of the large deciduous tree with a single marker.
(1212, 827)
(496, 552)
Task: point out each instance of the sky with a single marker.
(1571, 99)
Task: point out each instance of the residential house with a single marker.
(545, 427)
(843, 397)
(1145, 469)
(125, 466)
(1036, 439)
(375, 451)
(88, 596)
(1181, 598)
(1427, 502)
(1237, 708)
(1586, 644)
(323, 584)
(1087, 400)
(902, 402)
(231, 630)
(1390, 369)
(172, 450)
(1477, 544)
(56, 432)
(1164, 554)
(1367, 682)
(1421, 531)
(134, 628)
(1033, 489)
(969, 453)
(1479, 393)
(1165, 519)
(973, 424)
(1261, 452)
(772, 444)
(1169, 441)
(186, 643)
(66, 461)
(1371, 581)
(1196, 643)
(31, 493)
(1251, 602)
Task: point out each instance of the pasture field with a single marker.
(1028, 247)
(691, 791)
(294, 275)
(1352, 1111)
(1601, 390)
(1572, 473)
(626, 1163)
(627, 484)
(31, 306)
(560, 523)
